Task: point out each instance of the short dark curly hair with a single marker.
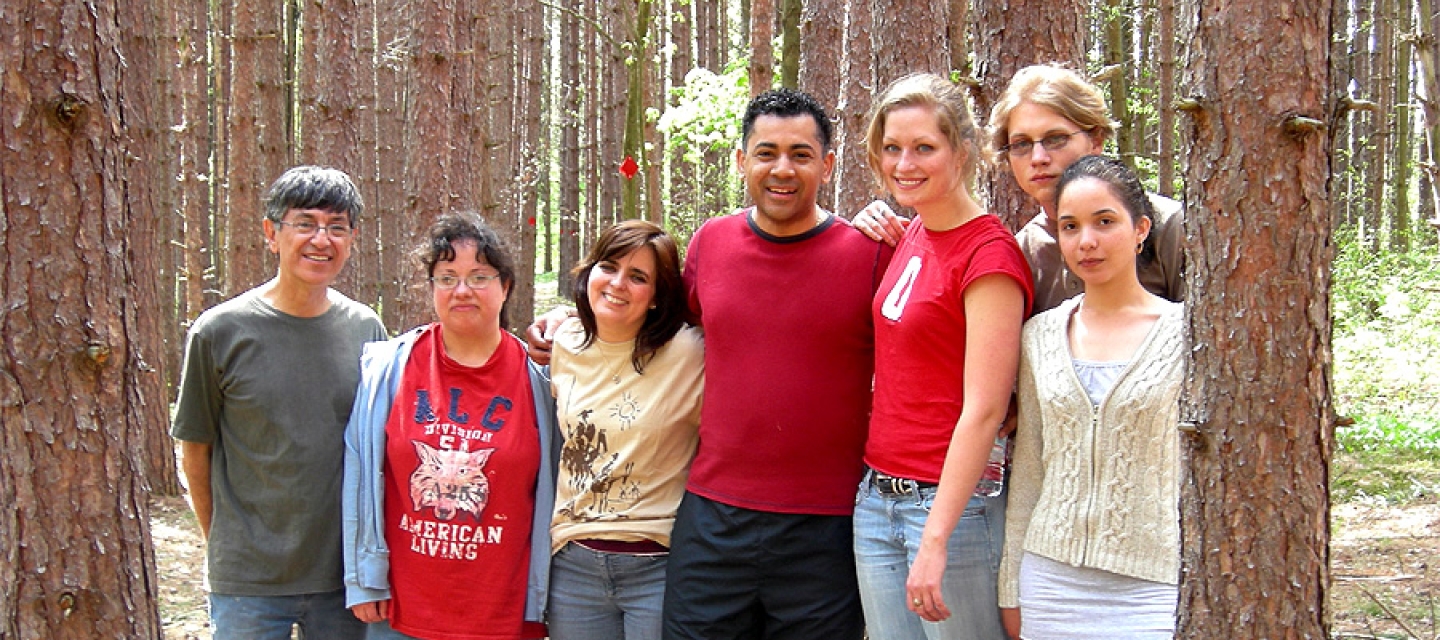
(453, 228)
(786, 103)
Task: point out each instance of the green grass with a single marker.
(1387, 374)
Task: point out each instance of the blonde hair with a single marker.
(1057, 88)
(952, 113)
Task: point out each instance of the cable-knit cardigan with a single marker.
(1096, 486)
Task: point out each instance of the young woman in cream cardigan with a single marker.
(1092, 543)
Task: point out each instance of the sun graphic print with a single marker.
(626, 411)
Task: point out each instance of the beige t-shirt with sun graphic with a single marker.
(627, 437)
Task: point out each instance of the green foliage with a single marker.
(1387, 346)
(706, 116)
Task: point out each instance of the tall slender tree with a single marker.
(258, 141)
(762, 53)
(1255, 510)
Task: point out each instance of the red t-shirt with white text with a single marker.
(461, 456)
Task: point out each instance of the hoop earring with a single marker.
(1139, 247)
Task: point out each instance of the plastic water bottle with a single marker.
(992, 481)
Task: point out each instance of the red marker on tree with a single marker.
(629, 168)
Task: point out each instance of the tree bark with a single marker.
(149, 191)
(762, 34)
(896, 56)
(854, 186)
(336, 97)
(1384, 79)
(1255, 507)
(1427, 65)
(1008, 37)
(1400, 221)
(78, 388)
(822, 34)
(257, 112)
(570, 102)
(790, 11)
(1165, 85)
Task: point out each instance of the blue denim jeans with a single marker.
(887, 537)
(320, 616)
(596, 595)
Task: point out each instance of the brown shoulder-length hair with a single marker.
(668, 314)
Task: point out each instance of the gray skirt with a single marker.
(1061, 602)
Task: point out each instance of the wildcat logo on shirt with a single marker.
(450, 482)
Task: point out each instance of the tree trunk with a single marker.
(822, 34)
(683, 185)
(790, 11)
(1008, 37)
(386, 173)
(335, 90)
(1384, 86)
(429, 143)
(527, 149)
(1119, 62)
(762, 34)
(894, 56)
(1255, 508)
(258, 140)
(1427, 66)
(854, 185)
(148, 191)
(1400, 221)
(1165, 85)
(79, 393)
(570, 178)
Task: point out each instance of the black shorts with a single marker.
(739, 573)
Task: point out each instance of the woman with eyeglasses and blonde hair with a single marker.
(947, 314)
(627, 373)
(449, 463)
(1092, 537)
(1048, 117)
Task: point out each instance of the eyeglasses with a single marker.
(476, 281)
(305, 228)
(1052, 142)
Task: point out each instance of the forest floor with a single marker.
(1383, 559)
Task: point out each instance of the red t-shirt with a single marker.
(461, 455)
(919, 315)
(788, 362)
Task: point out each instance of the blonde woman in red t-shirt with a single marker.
(947, 343)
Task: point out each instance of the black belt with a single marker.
(890, 485)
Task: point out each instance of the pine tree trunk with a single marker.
(1165, 85)
(822, 32)
(258, 140)
(790, 11)
(1255, 507)
(897, 56)
(855, 187)
(79, 393)
(1400, 220)
(335, 89)
(762, 34)
(570, 179)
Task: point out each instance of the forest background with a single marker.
(162, 123)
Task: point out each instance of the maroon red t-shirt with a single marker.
(788, 362)
(461, 455)
(920, 322)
